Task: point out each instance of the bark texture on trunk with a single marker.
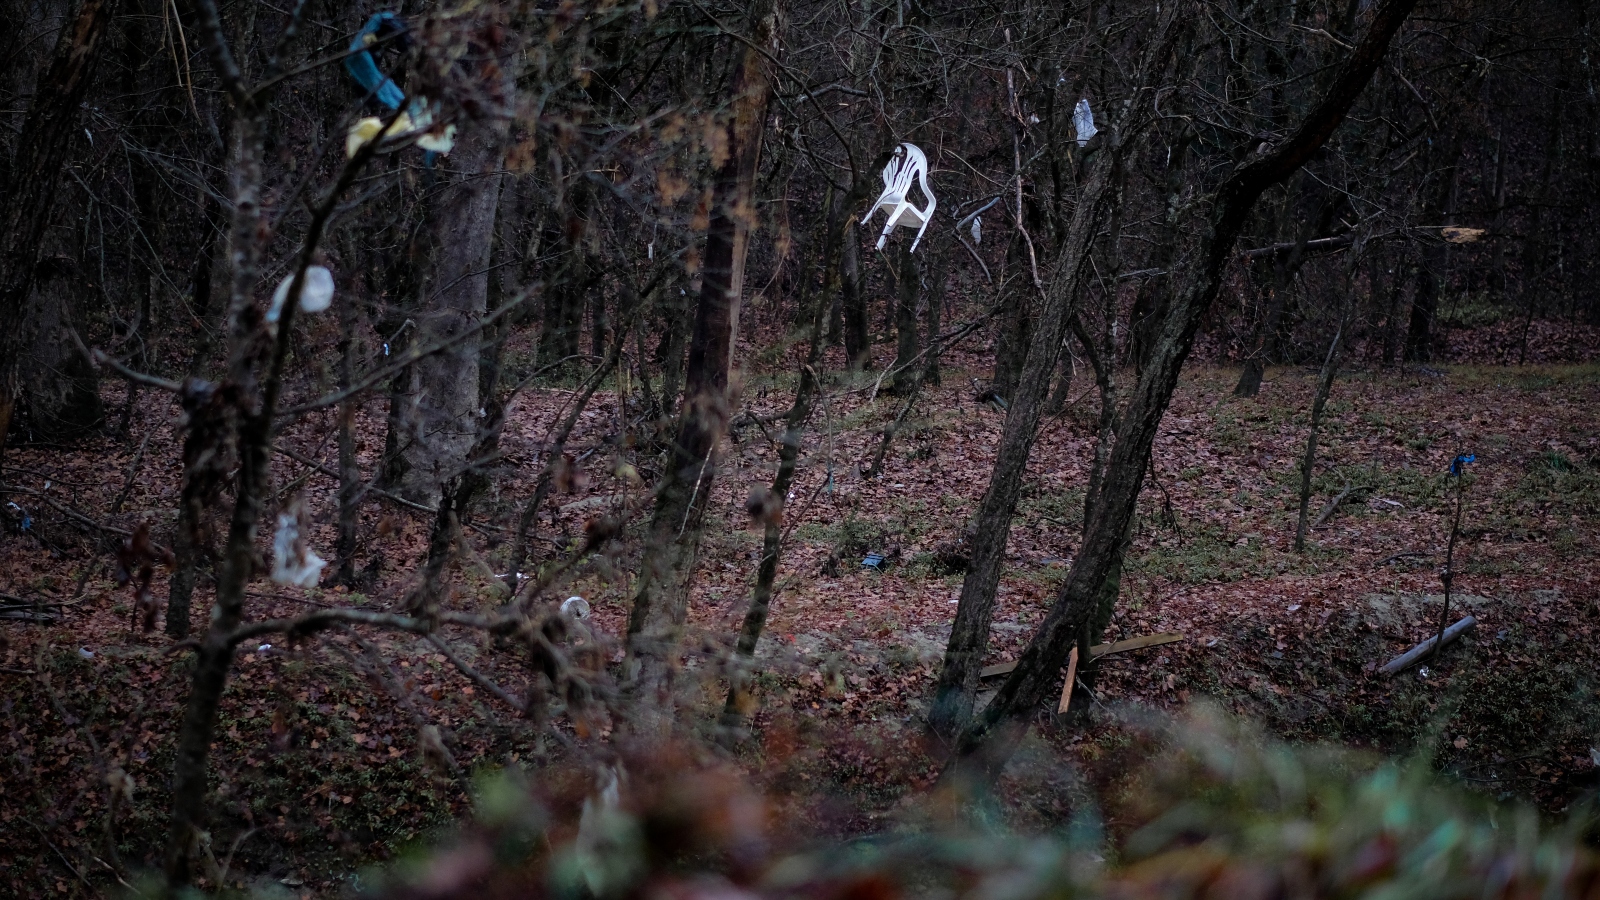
(442, 400)
(986, 746)
(969, 635)
(908, 289)
(853, 301)
(672, 546)
(27, 200)
(61, 388)
(214, 657)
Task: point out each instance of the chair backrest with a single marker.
(907, 164)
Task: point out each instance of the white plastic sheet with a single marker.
(294, 563)
(1083, 122)
(316, 295)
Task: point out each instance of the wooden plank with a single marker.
(1072, 678)
(1138, 643)
(1098, 650)
(997, 669)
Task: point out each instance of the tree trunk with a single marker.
(443, 393)
(814, 307)
(1284, 271)
(852, 297)
(935, 314)
(28, 202)
(1330, 367)
(60, 387)
(567, 285)
(969, 636)
(986, 746)
(661, 604)
(349, 472)
(1016, 332)
(1439, 206)
(908, 288)
(214, 657)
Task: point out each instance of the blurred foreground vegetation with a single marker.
(1212, 808)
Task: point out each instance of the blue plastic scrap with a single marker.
(1460, 461)
(364, 69)
(873, 561)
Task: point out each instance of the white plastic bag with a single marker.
(1083, 122)
(316, 295)
(294, 563)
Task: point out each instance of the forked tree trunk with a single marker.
(662, 602)
(986, 746)
(969, 636)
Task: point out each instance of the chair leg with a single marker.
(894, 219)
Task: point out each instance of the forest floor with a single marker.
(318, 764)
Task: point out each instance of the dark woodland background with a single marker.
(1288, 365)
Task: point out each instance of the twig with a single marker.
(328, 470)
(133, 471)
(1398, 556)
(1333, 505)
(71, 513)
(477, 677)
(1449, 574)
(64, 861)
(326, 618)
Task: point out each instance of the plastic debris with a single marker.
(86, 653)
(908, 165)
(294, 563)
(977, 231)
(874, 561)
(576, 607)
(416, 122)
(599, 824)
(316, 295)
(1083, 122)
(364, 69)
(263, 648)
(1457, 235)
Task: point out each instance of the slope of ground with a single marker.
(319, 761)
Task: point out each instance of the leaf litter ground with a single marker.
(318, 759)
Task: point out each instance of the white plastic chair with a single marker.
(908, 164)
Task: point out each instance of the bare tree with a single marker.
(987, 744)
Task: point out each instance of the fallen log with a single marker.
(21, 615)
(1098, 650)
(1415, 654)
